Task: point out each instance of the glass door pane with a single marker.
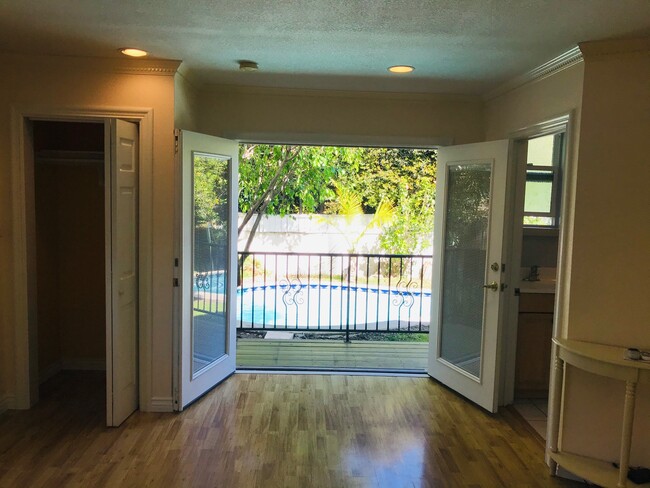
(209, 258)
(464, 265)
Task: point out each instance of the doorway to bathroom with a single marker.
(540, 161)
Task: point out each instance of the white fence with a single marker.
(312, 233)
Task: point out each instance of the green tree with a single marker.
(210, 211)
(289, 179)
(210, 191)
(405, 179)
(348, 204)
(280, 180)
(283, 179)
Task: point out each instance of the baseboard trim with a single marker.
(7, 402)
(92, 364)
(161, 404)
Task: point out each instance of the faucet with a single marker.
(534, 274)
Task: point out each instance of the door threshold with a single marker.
(336, 371)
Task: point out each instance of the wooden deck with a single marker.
(363, 355)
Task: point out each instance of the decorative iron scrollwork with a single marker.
(292, 292)
(203, 281)
(399, 299)
(406, 296)
(210, 282)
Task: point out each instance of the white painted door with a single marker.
(208, 263)
(467, 269)
(122, 273)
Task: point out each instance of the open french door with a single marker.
(468, 264)
(207, 263)
(121, 271)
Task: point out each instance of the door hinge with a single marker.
(176, 262)
(176, 142)
(175, 282)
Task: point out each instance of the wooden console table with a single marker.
(606, 361)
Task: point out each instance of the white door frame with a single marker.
(515, 217)
(23, 226)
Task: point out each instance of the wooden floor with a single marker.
(366, 355)
(258, 430)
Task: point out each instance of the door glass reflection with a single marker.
(209, 259)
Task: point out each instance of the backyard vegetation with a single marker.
(386, 290)
(397, 186)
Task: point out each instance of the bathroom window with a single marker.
(542, 192)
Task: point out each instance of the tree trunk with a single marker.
(269, 193)
(276, 186)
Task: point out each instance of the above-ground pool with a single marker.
(325, 306)
(333, 306)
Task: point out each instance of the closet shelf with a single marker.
(69, 157)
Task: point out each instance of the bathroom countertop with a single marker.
(543, 286)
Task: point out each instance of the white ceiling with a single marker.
(456, 46)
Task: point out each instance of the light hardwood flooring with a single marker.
(259, 430)
(365, 355)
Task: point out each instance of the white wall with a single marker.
(610, 279)
(49, 83)
(345, 118)
(534, 102)
(186, 103)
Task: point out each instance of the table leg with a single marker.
(626, 437)
(556, 403)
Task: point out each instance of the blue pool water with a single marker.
(328, 306)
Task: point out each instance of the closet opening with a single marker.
(70, 235)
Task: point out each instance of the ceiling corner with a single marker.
(563, 61)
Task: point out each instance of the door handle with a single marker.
(494, 286)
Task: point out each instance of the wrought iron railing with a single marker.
(332, 292)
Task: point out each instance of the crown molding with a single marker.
(156, 67)
(161, 67)
(570, 58)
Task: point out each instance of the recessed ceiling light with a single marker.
(133, 52)
(401, 68)
(245, 65)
